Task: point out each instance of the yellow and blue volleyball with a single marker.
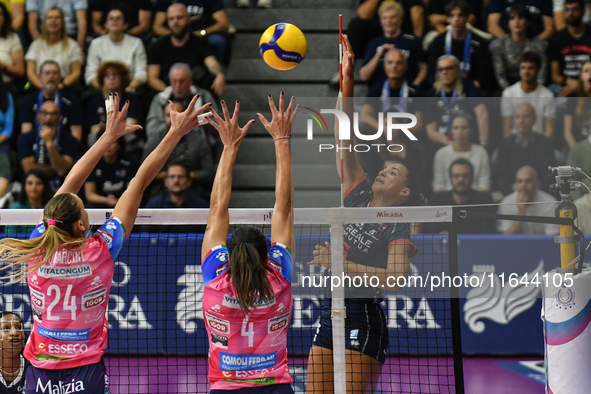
(283, 46)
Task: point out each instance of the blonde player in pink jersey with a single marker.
(247, 299)
(70, 273)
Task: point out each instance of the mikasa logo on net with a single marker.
(345, 130)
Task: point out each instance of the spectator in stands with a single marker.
(35, 193)
(539, 10)
(5, 174)
(138, 15)
(260, 3)
(54, 44)
(529, 90)
(525, 148)
(16, 10)
(580, 156)
(577, 118)
(461, 147)
(365, 26)
(453, 92)
(568, 49)
(193, 151)
(113, 77)
(439, 18)
(583, 205)
(461, 43)
(50, 80)
(12, 58)
(49, 147)
(181, 89)
(559, 14)
(519, 203)
(395, 95)
(180, 46)
(461, 174)
(6, 118)
(208, 20)
(507, 50)
(391, 17)
(73, 16)
(178, 195)
(120, 47)
(110, 177)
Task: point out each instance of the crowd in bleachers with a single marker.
(59, 59)
(498, 83)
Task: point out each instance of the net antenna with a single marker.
(338, 312)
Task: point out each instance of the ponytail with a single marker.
(248, 271)
(62, 211)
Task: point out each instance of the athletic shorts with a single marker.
(283, 388)
(366, 330)
(91, 379)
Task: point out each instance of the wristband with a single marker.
(278, 138)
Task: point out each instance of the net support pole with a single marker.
(456, 316)
(338, 312)
(566, 313)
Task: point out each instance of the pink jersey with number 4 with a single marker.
(247, 350)
(69, 299)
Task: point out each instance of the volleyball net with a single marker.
(157, 336)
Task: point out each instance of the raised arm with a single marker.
(180, 124)
(116, 127)
(351, 170)
(231, 135)
(280, 130)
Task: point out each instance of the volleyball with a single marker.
(283, 46)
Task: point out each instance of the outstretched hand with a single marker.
(348, 58)
(322, 256)
(230, 132)
(280, 124)
(116, 126)
(184, 122)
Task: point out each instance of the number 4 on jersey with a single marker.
(248, 332)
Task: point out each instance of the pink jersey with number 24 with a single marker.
(69, 299)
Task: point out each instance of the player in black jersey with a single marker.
(381, 250)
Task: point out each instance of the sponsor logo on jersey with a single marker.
(81, 271)
(220, 325)
(278, 323)
(94, 299)
(67, 349)
(106, 236)
(232, 302)
(37, 299)
(37, 314)
(219, 340)
(221, 269)
(111, 225)
(65, 335)
(247, 362)
(60, 387)
(353, 334)
(278, 267)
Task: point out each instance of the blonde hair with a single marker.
(459, 86)
(391, 5)
(45, 34)
(65, 210)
